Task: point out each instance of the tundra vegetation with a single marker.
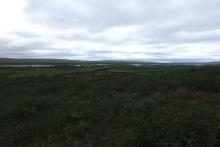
(110, 106)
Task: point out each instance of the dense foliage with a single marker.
(118, 106)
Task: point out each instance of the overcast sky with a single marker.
(143, 30)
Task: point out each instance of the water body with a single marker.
(78, 65)
(23, 66)
(137, 65)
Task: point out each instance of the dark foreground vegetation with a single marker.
(114, 106)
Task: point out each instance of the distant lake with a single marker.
(23, 65)
(78, 65)
(136, 64)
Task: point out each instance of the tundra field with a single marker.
(110, 105)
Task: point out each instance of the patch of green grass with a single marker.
(110, 106)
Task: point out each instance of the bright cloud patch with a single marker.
(145, 30)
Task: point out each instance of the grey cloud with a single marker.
(26, 34)
(161, 20)
(144, 30)
(95, 14)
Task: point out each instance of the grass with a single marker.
(110, 106)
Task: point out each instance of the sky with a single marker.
(134, 30)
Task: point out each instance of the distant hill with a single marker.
(4, 61)
(61, 61)
(34, 61)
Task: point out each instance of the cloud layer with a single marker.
(144, 30)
